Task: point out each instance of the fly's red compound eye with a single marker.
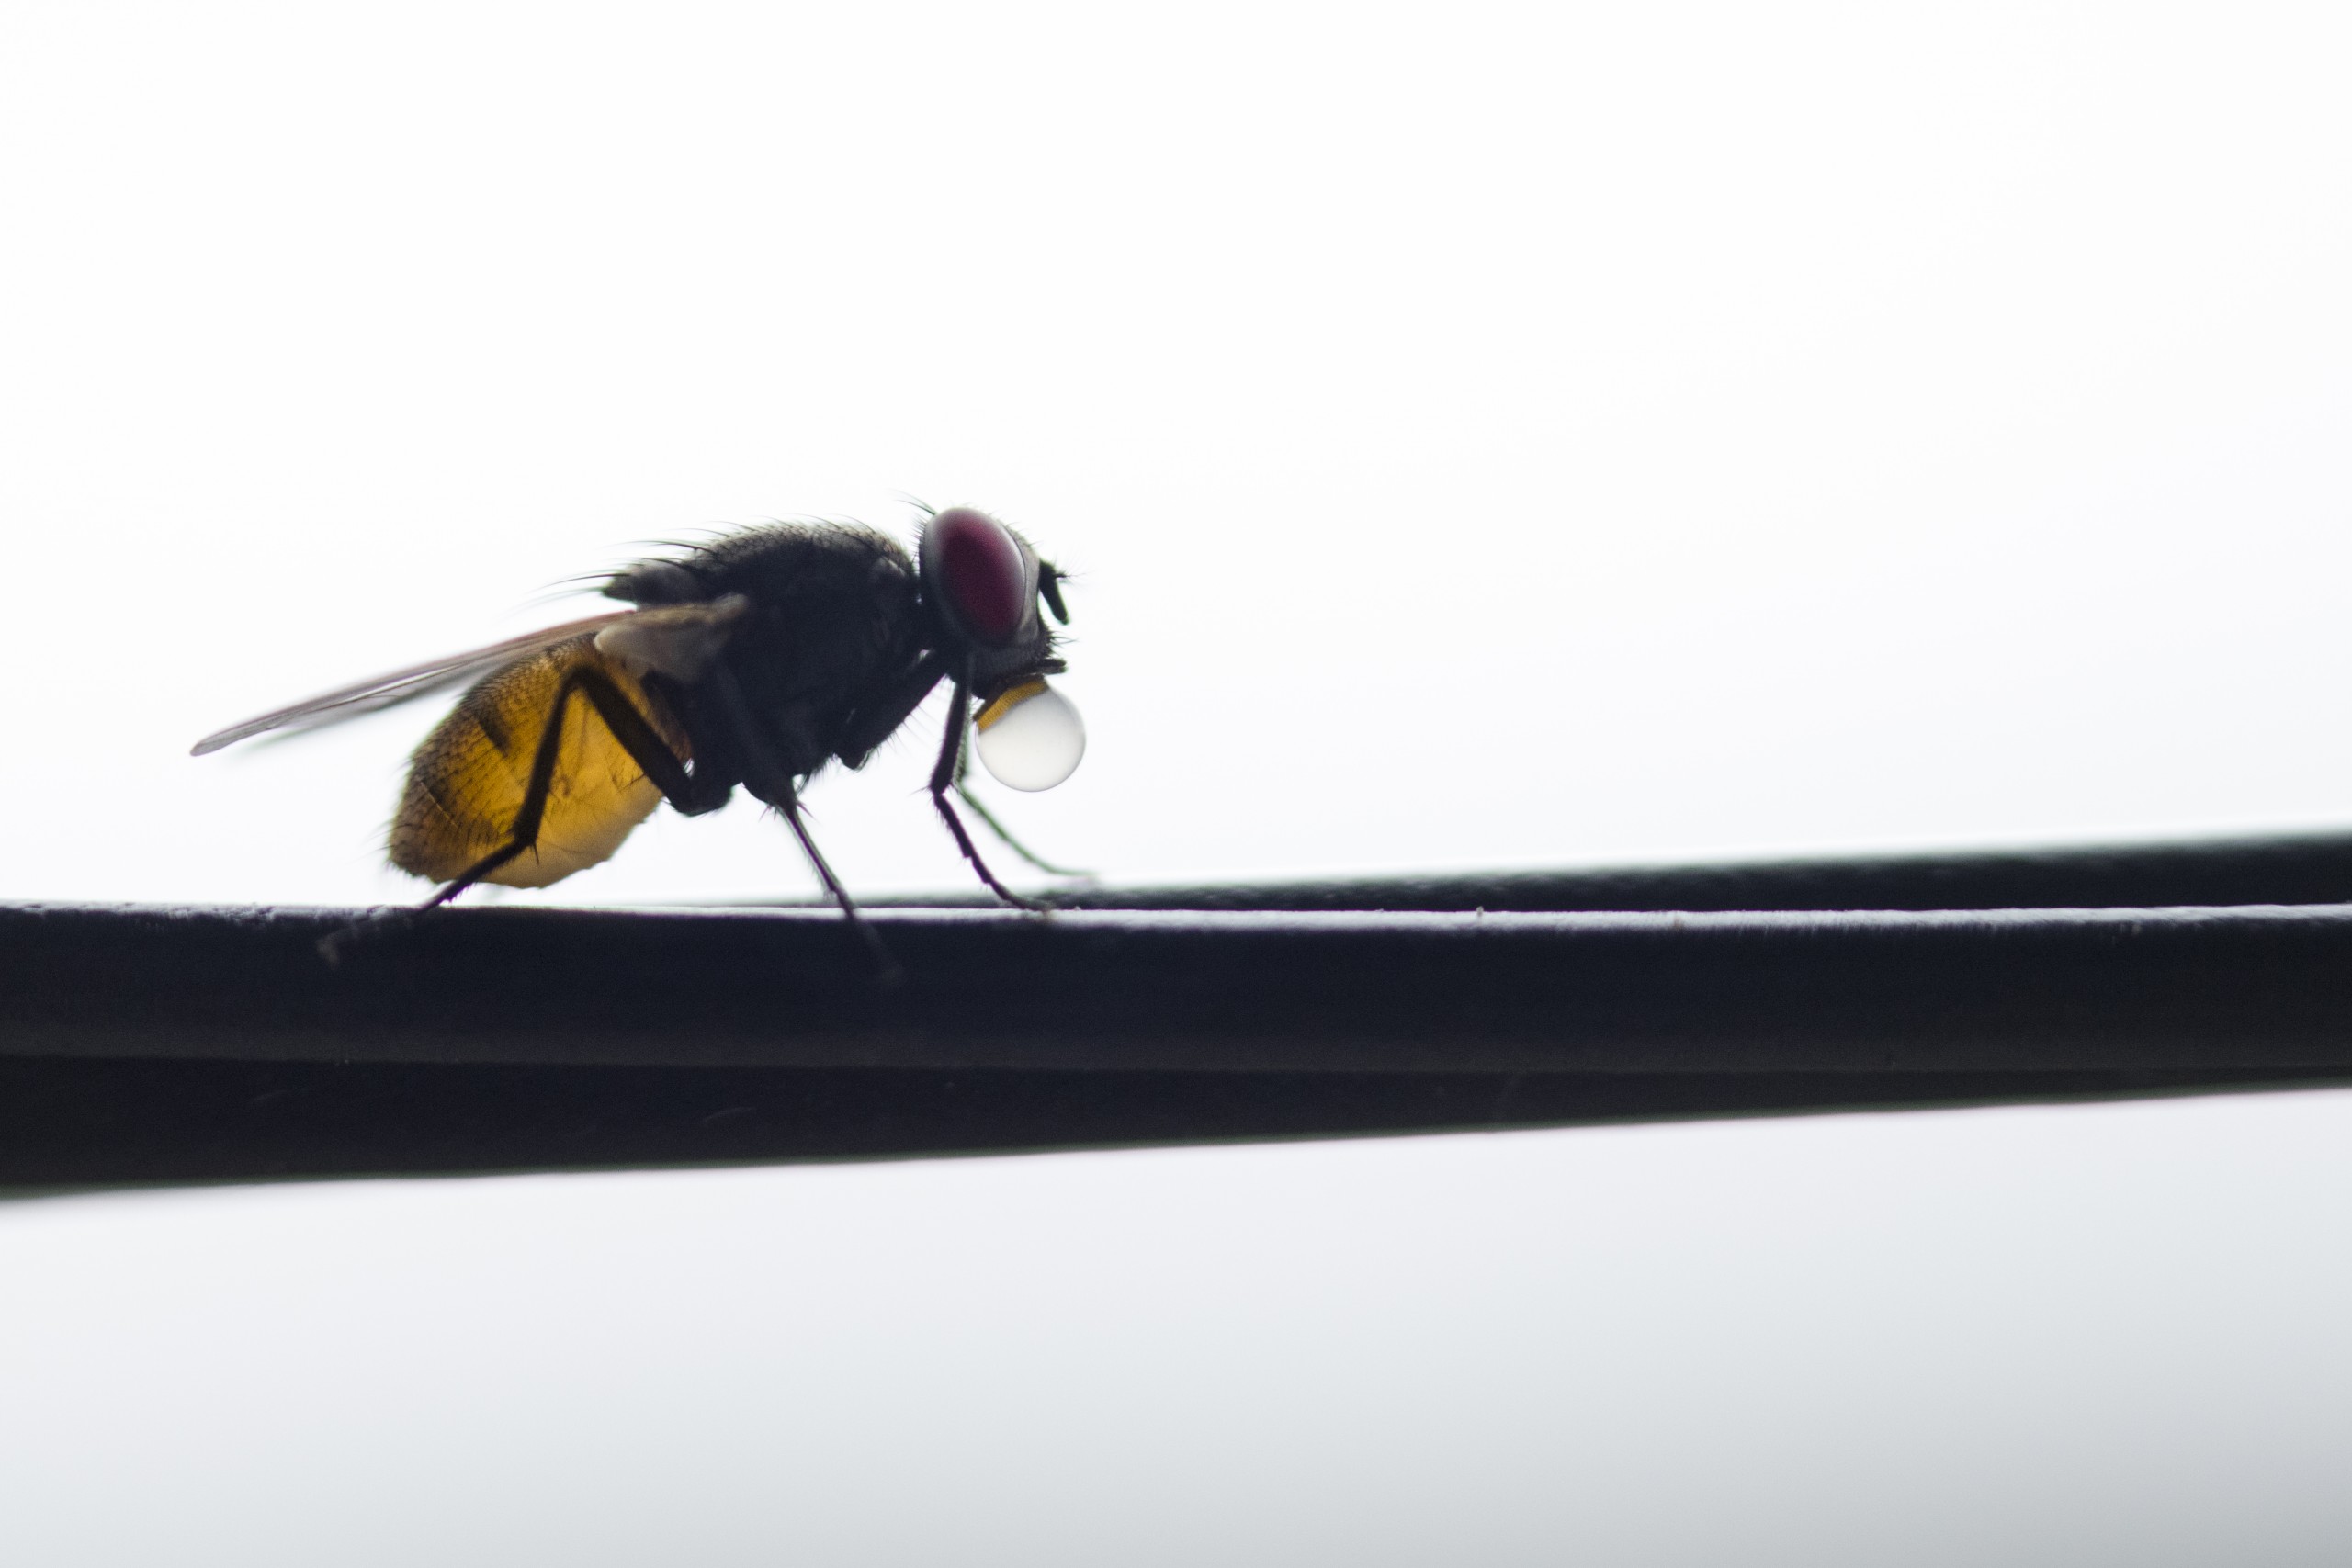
(980, 571)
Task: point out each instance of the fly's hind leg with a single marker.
(637, 737)
(645, 746)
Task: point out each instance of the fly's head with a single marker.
(985, 594)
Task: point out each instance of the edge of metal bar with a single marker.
(2313, 867)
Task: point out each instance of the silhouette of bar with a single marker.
(150, 1044)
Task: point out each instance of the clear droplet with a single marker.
(1031, 738)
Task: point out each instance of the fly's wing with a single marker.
(404, 685)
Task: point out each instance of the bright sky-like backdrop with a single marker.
(1484, 435)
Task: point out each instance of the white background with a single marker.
(1486, 436)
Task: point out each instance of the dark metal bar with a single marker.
(2259, 987)
(78, 1122)
(152, 1045)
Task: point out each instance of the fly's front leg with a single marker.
(944, 778)
(980, 808)
(869, 729)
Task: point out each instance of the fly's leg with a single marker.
(771, 784)
(885, 967)
(942, 779)
(638, 737)
(988, 818)
(868, 731)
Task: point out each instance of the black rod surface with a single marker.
(153, 1044)
(2205, 990)
(84, 1122)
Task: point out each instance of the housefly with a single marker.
(755, 659)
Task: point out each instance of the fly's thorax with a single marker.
(829, 618)
(781, 558)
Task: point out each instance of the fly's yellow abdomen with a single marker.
(466, 781)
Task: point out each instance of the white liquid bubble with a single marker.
(1035, 743)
